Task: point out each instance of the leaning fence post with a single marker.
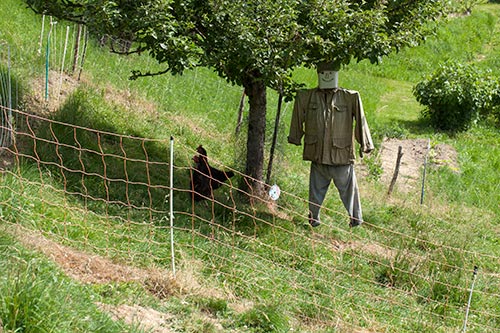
(172, 203)
(396, 170)
(470, 299)
(422, 192)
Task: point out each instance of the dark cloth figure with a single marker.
(205, 178)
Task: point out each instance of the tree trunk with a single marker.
(256, 92)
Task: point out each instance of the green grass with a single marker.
(414, 278)
(37, 297)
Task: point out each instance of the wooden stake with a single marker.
(422, 192)
(396, 170)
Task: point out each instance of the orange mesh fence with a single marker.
(109, 194)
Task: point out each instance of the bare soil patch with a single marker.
(43, 100)
(62, 86)
(415, 152)
(92, 268)
(148, 319)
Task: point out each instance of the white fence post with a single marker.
(172, 203)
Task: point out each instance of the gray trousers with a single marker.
(344, 179)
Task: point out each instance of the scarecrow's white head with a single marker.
(328, 75)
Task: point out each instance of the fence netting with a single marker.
(109, 195)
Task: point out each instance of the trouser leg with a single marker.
(346, 183)
(319, 182)
(318, 186)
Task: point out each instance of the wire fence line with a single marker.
(109, 194)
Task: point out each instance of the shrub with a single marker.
(456, 95)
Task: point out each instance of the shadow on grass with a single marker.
(109, 173)
(123, 176)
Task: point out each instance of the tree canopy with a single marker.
(241, 38)
(254, 43)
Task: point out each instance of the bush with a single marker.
(456, 95)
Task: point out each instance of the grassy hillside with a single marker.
(242, 267)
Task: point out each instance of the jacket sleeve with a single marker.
(362, 132)
(298, 118)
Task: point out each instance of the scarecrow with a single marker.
(331, 119)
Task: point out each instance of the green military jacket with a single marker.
(330, 121)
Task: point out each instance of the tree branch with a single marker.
(137, 74)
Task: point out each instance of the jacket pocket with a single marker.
(340, 107)
(310, 147)
(342, 152)
(342, 142)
